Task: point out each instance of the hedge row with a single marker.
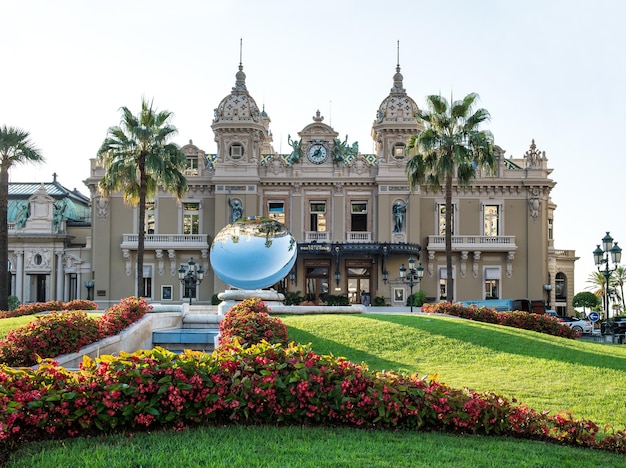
(541, 323)
(37, 307)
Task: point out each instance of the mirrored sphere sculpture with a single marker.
(253, 253)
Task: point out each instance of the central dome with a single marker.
(238, 105)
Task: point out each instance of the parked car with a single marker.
(614, 326)
(583, 326)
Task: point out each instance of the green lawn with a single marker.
(9, 324)
(542, 371)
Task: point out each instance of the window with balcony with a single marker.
(276, 211)
(150, 218)
(491, 220)
(441, 212)
(317, 212)
(191, 218)
(358, 216)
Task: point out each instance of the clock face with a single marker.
(317, 153)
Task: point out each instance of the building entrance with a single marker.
(316, 280)
(359, 275)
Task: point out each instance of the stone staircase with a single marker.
(199, 332)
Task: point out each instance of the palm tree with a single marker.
(597, 283)
(15, 148)
(617, 280)
(451, 145)
(138, 160)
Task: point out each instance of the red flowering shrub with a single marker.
(250, 323)
(541, 323)
(30, 309)
(49, 335)
(259, 384)
(66, 332)
(120, 316)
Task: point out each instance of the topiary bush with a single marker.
(249, 323)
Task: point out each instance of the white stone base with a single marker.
(232, 297)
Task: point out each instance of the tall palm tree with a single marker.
(15, 148)
(618, 280)
(451, 145)
(597, 285)
(138, 160)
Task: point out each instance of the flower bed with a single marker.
(249, 323)
(67, 332)
(30, 309)
(541, 323)
(260, 383)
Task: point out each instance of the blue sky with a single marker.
(548, 70)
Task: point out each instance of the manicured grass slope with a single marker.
(544, 372)
(304, 447)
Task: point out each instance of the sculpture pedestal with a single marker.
(232, 297)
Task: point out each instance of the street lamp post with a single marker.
(600, 256)
(548, 289)
(191, 278)
(89, 285)
(413, 277)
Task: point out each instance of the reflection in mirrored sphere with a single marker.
(253, 253)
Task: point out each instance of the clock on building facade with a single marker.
(318, 152)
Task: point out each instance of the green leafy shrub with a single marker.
(14, 303)
(215, 300)
(541, 323)
(49, 335)
(249, 323)
(379, 301)
(293, 298)
(419, 297)
(337, 300)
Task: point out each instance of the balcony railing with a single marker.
(358, 236)
(317, 236)
(162, 241)
(482, 243)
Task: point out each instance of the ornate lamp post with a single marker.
(192, 278)
(89, 285)
(548, 289)
(413, 277)
(600, 256)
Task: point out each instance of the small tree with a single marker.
(586, 299)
